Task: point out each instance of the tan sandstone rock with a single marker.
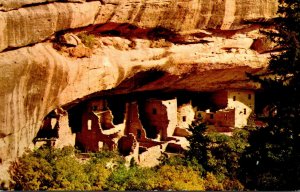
(194, 45)
(6, 5)
(23, 26)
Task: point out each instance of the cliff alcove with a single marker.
(146, 125)
(119, 47)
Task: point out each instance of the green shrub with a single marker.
(55, 169)
(179, 178)
(88, 40)
(97, 175)
(31, 173)
(224, 153)
(133, 178)
(70, 174)
(212, 183)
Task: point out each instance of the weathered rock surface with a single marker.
(6, 5)
(30, 25)
(139, 46)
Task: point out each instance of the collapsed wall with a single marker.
(96, 130)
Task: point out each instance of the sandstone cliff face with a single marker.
(18, 26)
(139, 45)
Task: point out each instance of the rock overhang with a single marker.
(144, 46)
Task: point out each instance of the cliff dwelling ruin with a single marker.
(60, 57)
(144, 129)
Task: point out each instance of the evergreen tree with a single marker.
(198, 144)
(272, 162)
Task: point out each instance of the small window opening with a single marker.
(249, 96)
(211, 116)
(100, 145)
(225, 116)
(94, 108)
(184, 118)
(53, 122)
(234, 98)
(245, 111)
(89, 124)
(139, 134)
(154, 111)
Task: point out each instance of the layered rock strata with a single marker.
(33, 24)
(138, 45)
